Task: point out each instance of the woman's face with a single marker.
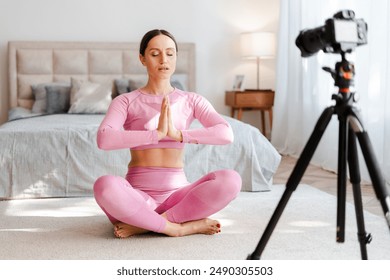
(160, 57)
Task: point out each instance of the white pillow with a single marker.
(90, 98)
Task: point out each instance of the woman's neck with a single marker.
(157, 88)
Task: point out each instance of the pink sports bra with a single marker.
(132, 119)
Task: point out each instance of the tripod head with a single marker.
(343, 74)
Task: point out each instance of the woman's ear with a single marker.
(142, 59)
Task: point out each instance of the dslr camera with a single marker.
(340, 34)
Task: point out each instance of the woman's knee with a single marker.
(230, 180)
(102, 184)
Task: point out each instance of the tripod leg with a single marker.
(341, 179)
(353, 163)
(294, 179)
(382, 193)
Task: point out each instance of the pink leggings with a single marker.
(148, 192)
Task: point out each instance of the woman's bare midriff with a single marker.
(172, 158)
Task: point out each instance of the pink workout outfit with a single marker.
(146, 192)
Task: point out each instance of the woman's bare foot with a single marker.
(203, 226)
(122, 230)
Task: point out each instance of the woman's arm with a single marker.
(111, 136)
(216, 130)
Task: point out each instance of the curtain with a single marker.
(304, 90)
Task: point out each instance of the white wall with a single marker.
(214, 25)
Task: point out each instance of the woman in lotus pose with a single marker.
(153, 122)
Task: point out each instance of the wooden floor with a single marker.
(327, 182)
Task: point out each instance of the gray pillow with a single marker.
(177, 84)
(57, 99)
(179, 81)
(39, 92)
(20, 113)
(135, 84)
(122, 86)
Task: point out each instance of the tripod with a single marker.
(350, 128)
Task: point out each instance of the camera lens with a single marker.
(311, 41)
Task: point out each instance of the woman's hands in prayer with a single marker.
(165, 124)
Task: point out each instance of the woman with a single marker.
(155, 195)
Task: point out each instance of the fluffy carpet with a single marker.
(75, 228)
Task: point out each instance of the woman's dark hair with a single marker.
(150, 35)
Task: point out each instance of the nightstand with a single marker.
(262, 100)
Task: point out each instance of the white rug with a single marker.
(75, 228)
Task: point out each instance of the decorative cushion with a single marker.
(90, 98)
(177, 84)
(179, 81)
(57, 99)
(137, 83)
(122, 86)
(20, 113)
(39, 92)
(126, 85)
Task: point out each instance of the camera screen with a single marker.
(346, 31)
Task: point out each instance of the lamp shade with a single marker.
(258, 44)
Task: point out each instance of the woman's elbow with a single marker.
(227, 135)
(102, 141)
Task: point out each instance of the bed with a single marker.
(59, 92)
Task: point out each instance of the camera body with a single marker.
(340, 34)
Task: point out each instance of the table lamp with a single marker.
(258, 45)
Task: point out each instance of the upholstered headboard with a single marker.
(42, 62)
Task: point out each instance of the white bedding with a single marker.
(57, 156)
